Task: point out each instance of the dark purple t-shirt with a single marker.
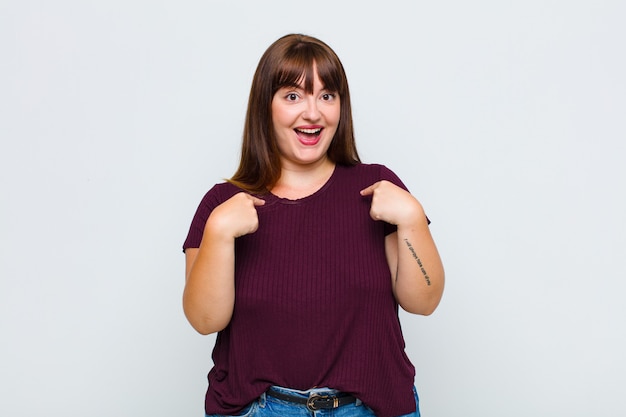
(313, 300)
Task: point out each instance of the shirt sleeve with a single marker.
(389, 175)
(208, 203)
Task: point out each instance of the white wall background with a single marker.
(506, 119)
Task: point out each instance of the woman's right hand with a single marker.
(236, 216)
(209, 296)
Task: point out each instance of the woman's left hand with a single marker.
(393, 204)
(414, 264)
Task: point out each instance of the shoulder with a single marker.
(366, 169)
(218, 194)
(370, 173)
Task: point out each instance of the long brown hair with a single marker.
(288, 61)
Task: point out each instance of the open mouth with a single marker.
(309, 136)
(311, 133)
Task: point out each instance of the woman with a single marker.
(301, 259)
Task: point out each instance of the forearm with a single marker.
(209, 294)
(419, 278)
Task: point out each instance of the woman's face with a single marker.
(304, 124)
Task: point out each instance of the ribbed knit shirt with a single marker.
(313, 300)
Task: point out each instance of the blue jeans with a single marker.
(268, 406)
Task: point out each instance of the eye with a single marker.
(329, 96)
(291, 97)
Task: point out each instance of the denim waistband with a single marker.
(306, 393)
(309, 392)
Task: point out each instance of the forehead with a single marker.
(306, 73)
(306, 82)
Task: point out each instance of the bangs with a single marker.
(298, 67)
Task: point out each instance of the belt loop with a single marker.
(358, 403)
(262, 400)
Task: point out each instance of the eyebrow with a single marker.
(301, 87)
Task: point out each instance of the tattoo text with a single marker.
(419, 262)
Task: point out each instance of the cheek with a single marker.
(277, 113)
(335, 116)
(281, 117)
(335, 112)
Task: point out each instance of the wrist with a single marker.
(414, 217)
(216, 229)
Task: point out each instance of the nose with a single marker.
(311, 111)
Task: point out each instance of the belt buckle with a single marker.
(310, 404)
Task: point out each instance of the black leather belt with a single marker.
(315, 401)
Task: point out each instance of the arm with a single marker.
(209, 294)
(416, 268)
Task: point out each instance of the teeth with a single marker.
(310, 131)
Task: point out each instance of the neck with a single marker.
(300, 182)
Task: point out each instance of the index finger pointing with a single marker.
(257, 201)
(369, 190)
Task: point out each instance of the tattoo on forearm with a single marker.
(417, 259)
